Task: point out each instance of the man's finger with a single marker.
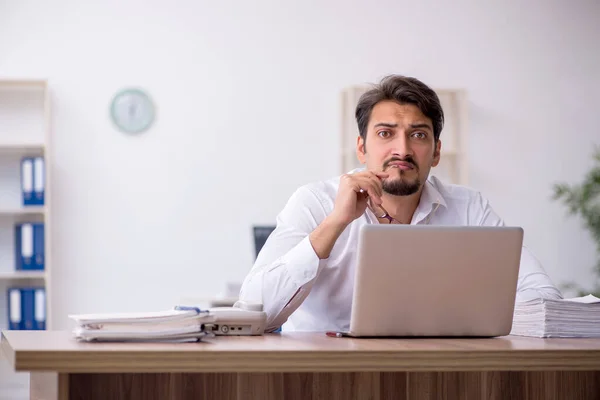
(373, 191)
(377, 185)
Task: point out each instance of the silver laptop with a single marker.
(435, 281)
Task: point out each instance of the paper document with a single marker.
(574, 317)
(170, 325)
(140, 317)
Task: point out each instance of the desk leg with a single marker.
(48, 386)
(331, 386)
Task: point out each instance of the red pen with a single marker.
(334, 334)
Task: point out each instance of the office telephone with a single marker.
(242, 319)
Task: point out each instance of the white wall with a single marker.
(248, 110)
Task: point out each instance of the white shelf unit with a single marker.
(453, 162)
(24, 131)
(20, 275)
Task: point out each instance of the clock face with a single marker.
(132, 111)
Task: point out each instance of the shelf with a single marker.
(11, 275)
(31, 210)
(25, 131)
(19, 148)
(23, 83)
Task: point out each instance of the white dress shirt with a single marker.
(299, 292)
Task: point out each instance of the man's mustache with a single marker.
(407, 159)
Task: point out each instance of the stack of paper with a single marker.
(575, 317)
(179, 324)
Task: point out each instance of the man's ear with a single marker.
(361, 152)
(436, 153)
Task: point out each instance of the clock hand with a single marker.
(131, 110)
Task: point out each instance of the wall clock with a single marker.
(132, 110)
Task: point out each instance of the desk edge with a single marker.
(299, 361)
(7, 351)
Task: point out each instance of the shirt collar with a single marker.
(430, 199)
(431, 195)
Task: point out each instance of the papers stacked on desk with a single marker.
(576, 317)
(177, 325)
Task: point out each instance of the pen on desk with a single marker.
(334, 334)
(189, 308)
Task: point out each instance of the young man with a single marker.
(304, 274)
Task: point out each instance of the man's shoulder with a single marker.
(468, 202)
(316, 196)
(453, 192)
(323, 189)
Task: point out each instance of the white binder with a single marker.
(14, 304)
(38, 180)
(27, 181)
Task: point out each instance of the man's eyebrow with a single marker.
(420, 126)
(386, 125)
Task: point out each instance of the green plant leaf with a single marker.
(583, 199)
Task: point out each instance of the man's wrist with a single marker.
(324, 237)
(333, 222)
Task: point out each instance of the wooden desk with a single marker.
(307, 366)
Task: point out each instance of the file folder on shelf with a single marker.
(29, 246)
(38, 246)
(14, 309)
(33, 181)
(24, 246)
(27, 181)
(39, 315)
(26, 308)
(39, 181)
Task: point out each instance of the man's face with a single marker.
(399, 141)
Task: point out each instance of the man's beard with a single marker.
(399, 186)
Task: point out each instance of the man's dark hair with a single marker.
(404, 90)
